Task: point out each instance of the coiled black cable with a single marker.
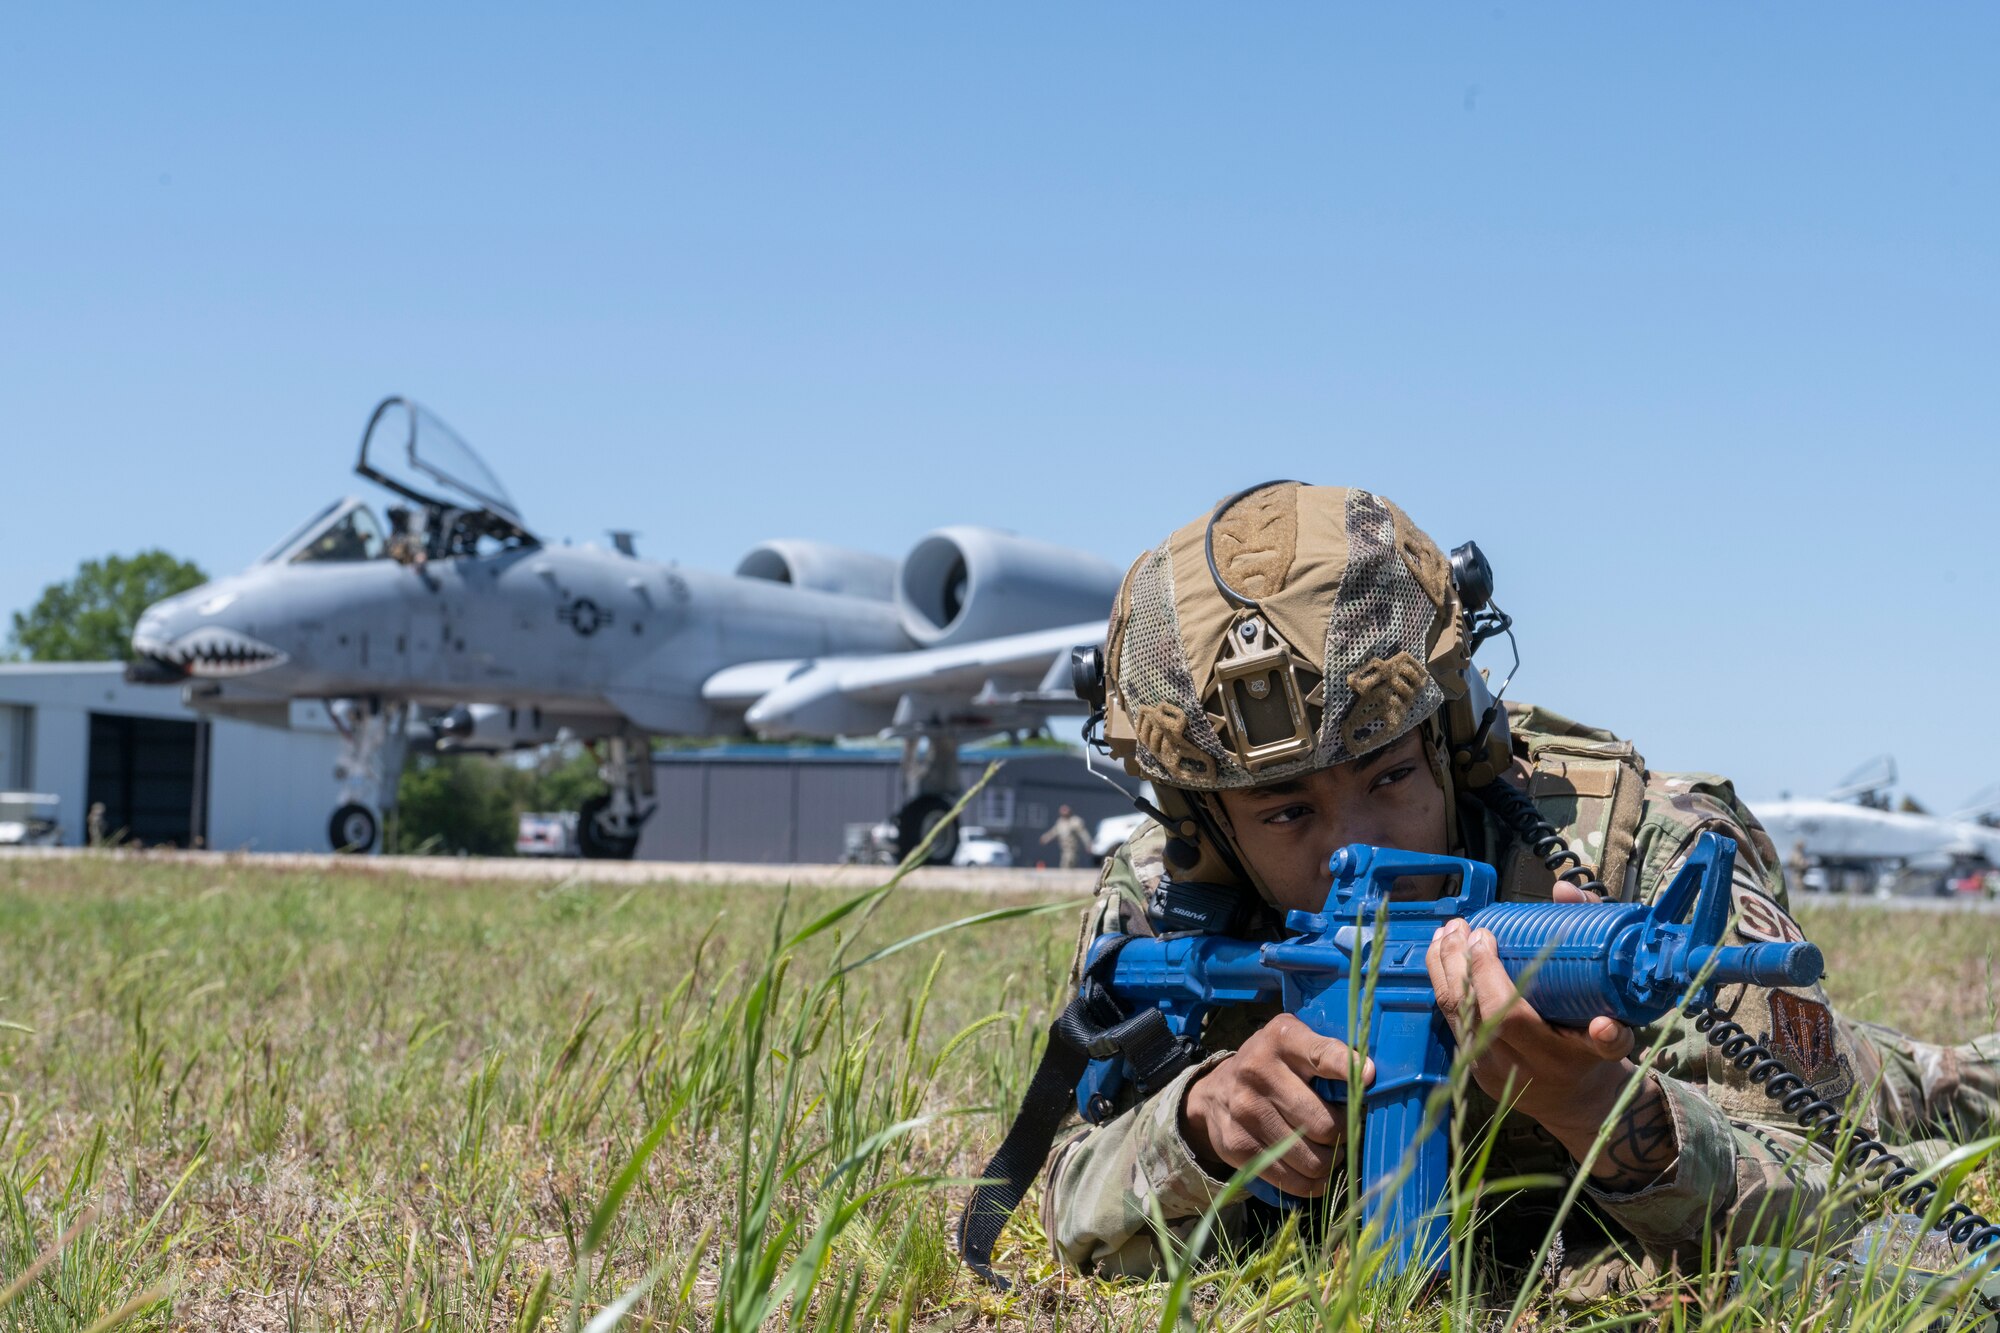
(1511, 806)
(1866, 1153)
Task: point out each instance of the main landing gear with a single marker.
(607, 826)
(373, 741)
(930, 781)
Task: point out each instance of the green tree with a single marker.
(561, 782)
(456, 803)
(89, 618)
(472, 803)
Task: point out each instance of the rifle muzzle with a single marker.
(1798, 964)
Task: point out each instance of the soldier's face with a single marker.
(1290, 830)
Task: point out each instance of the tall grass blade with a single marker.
(621, 1185)
(978, 919)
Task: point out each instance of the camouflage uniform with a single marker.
(1743, 1165)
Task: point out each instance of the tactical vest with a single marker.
(1594, 788)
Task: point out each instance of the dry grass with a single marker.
(279, 1101)
(397, 1104)
(1935, 975)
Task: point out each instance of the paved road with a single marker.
(549, 870)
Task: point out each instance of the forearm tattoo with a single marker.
(1641, 1148)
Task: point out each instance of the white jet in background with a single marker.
(1852, 839)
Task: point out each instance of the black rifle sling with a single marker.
(1090, 1027)
(1050, 1096)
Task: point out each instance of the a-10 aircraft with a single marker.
(1853, 836)
(454, 622)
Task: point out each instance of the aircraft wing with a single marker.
(1016, 680)
(734, 689)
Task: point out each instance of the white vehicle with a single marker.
(1112, 832)
(551, 833)
(977, 848)
(28, 819)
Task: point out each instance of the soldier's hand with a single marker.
(1561, 1077)
(1261, 1096)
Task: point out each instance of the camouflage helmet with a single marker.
(1292, 628)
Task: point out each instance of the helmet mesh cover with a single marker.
(1153, 664)
(1383, 615)
(1378, 631)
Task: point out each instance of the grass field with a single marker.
(246, 1100)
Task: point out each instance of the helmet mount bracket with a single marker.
(1263, 709)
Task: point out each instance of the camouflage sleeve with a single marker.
(1108, 1185)
(1739, 1182)
(1745, 1170)
(1105, 1184)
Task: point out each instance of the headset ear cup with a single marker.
(1182, 854)
(1482, 748)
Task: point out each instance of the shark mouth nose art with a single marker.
(213, 651)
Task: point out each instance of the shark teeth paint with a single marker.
(213, 651)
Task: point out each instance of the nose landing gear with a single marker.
(373, 740)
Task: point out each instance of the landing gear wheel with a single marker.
(352, 829)
(597, 843)
(916, 819)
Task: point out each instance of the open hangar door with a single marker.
(151, 776)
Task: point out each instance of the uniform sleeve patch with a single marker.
(1758, 918)
(1802, 1035)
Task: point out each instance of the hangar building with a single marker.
(166, 775)
(795, 804)
(170, 776)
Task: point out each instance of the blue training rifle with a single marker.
(1572, 961)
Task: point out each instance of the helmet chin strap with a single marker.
(1210, 824)
(1438, 751)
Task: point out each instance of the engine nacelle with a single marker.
(961, 584)
(821, 568)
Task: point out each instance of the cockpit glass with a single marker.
(299, 534)
(437, 450)
(355, 535)
(419, 455)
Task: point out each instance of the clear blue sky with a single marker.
(1687, 313)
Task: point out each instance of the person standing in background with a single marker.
(1071, 832)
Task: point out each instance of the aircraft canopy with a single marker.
(414, 453)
